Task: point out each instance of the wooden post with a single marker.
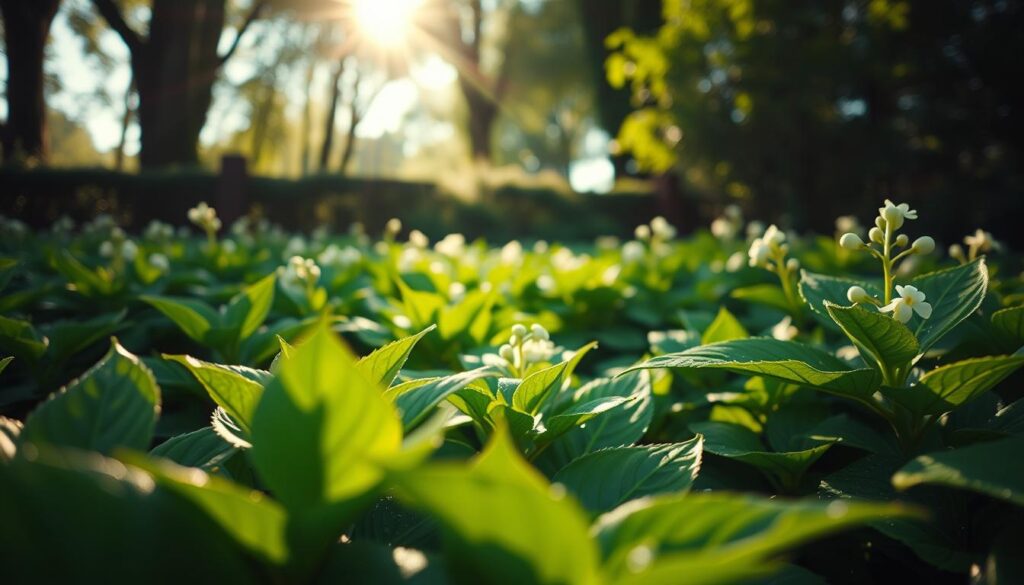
(231, 200)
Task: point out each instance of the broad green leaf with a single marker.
(10, 429)
(816, 289)
(881, 340)
(20, 339)
(70, 337)
(415, 404)
(604, 479)
(322, 431)
(5, 362)
(725, 327)
(1010, 324)
(507, 524)
(471, 315)
(249, 308)
(539, 387)
(384, 363)
(115, 404)
(788, 361)
(255, 521)
(236, 389)
(194, 318)
(420, 307)
(719, 530)
(89, 282)
(990, 468)
(227, 429)
(949, 386)
(202, 448)
(621, 426)
(740, 443)
(853, 433)
(954, 294)
(559, 424)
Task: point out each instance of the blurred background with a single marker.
(512, 118)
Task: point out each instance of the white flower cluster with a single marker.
(339, 257)
(205, 217)
(300, 272)
(891, 218)
(158, 231)
(658, 230)
(452, 245)
(979, 242)
(118, 246)
(769, 251)
(12, 227)
(526, 347)
(64, 225)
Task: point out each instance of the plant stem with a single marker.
(887, 263)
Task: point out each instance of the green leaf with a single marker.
(988, 468)
(954, 294)
(236, 389)
(880, 339)
(949, 386)
(1010, 324)
(115, 404)
(202, 448)
(770, 295)
(733, 534)
(5, 362)
(249, 308)
(70, 337)
(255, 521)
(725, 327)
(737, 442)
(20, 339)
(507, 526)
(577, 414)
(322, 431)
(415, 404)
(534, 392)
(419, 306)
(788, 361)
(816, 289)
(194, 318)
(605, 479)
(620, 426)
(384, 363)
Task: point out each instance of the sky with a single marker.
(83, 83)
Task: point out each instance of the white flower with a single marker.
(107, 249)
(642, 232)
(661, 228)
(895, 214)
(204, 216)
(773, 236)
(723, 228)
(418, 239)
(157, 230)
(300, 272)
(538, 350)
(784, 330)
(393, 226)
(851, 241)
(539, 332)
(911, 301)
(632, 251)
(129, 250)
(755, 229)
(735, 262)
(981, 241)
(519, 330)
(876, 235)
(229, 246)
(296, 245)
(339, 257)
(759, 252)
(857, 294)
(456, 291)
(452, 245)
(160, 262)
(512, 252)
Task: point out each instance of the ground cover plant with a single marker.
(743, 405)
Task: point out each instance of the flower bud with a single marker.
(642, 232)
(792, 264)
(851, 241)
(857, 294)
(393, 226)
(880, 223)
(539, 332)
(893, 217)
(876, 236)
(924, 245)
(956, 251)
(514, 340)
(507, 353)
(519, 330)
(902, 240)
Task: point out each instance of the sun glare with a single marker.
(385, 22)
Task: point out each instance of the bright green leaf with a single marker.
(725, 327)
(954, 294)
(384, 363)
(989, 468)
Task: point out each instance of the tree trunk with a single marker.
(26, 29)
(174, 71)
(482, 111)
(332, 113)
(126, 121)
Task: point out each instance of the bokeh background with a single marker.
(514, 118)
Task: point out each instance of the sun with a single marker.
(385, 22)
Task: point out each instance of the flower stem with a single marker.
(887, 263)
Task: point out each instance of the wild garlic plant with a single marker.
(205, 217)
(980, 242)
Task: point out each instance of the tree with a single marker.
(174, 67)
(26, 30)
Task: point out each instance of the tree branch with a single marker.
(257, 9)
(115, 18)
